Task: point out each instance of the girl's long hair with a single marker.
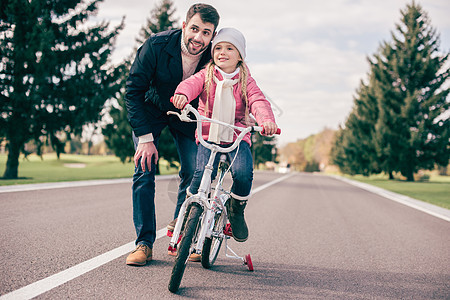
(243, 78)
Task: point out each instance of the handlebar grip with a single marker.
(277, 132)
(171, 101)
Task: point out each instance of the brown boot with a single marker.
(140, 256)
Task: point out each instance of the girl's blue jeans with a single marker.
(241, 169)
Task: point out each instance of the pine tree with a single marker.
(55, 73)
(410, 72)
(398, 122)
(354, 150)
(263, 148)
(118, 135)
(161, 19)
(338, 156)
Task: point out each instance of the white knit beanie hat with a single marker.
(230, 35)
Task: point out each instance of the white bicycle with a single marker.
(203, 217)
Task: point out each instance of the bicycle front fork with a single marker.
(205, 223)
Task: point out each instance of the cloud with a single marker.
(312, 82)
(308, 56)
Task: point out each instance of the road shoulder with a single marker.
(428, 208)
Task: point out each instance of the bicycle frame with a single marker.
(206, 226)
(217, 202)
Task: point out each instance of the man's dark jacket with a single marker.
(154, 76)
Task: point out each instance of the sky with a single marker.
(308, 57)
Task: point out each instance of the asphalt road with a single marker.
(311, 237)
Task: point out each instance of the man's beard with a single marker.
(198, 48)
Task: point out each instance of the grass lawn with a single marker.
(435, 191)
(71, 167)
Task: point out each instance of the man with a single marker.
(161, 63)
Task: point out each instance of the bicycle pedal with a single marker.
(169, 233)
(172, 250)
(227, 230)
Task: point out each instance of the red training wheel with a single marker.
(248, 262)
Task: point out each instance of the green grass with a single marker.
(70, 167)
(435, 191)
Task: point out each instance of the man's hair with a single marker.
(208, 14)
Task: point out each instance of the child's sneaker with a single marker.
(171, 225)
(193, 257)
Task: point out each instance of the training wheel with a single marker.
(248, 262)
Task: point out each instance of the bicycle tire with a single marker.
(212, 245)
(184, 247)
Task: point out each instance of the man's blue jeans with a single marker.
(144, 216)
(241, 170)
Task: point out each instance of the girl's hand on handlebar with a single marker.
(179, 101)
(270, 128)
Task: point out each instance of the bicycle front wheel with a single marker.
(212, 245)
(184, 247)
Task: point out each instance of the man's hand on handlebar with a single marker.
(179, 101)
(270, 128)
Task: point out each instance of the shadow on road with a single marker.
(293, 282)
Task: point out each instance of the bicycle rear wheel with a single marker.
(184, 247)
(212, 245)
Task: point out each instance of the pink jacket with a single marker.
(193, 87)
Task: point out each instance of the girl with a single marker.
(228, 93)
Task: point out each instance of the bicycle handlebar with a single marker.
(199, 119)
(278, 132)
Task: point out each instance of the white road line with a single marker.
(70, 184)
(39, 287)
(423, 206)
(264, 186)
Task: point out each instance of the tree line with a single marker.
(311, 154)
(56, 76)
(55, 73)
